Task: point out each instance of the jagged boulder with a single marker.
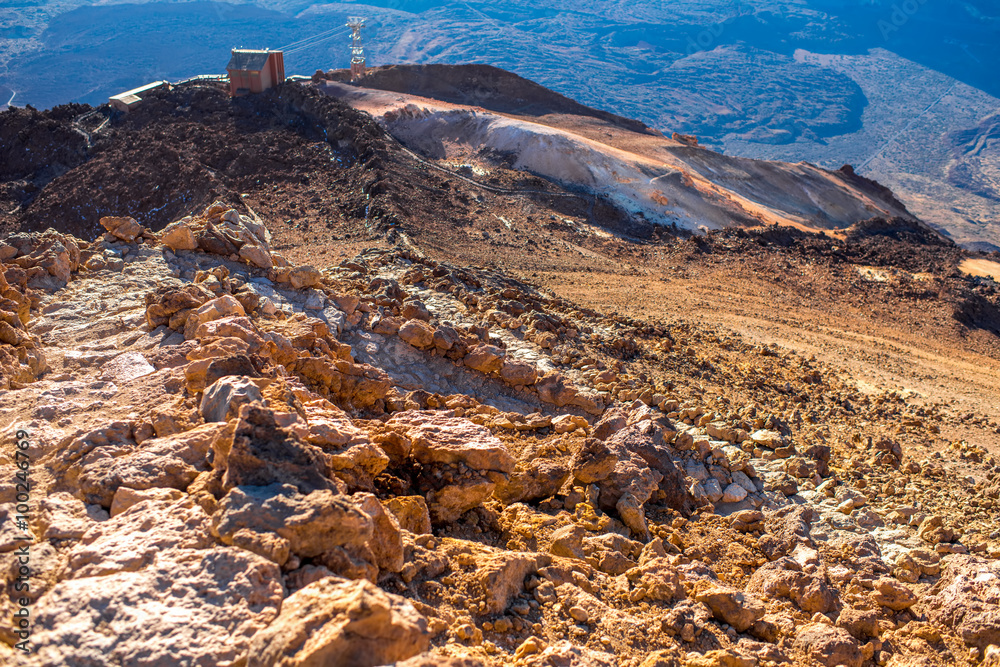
(261, 453)
(276, 521)
(967, 599)
(462, 462)
(340, 623)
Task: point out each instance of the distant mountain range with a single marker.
(905, 91)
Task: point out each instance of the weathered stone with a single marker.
(170, 462)
(769, 439)
(417, 333)
(967, 599)
(657, 580)
(63, 517)
(566, 654)
(485, 358)
(861, 623)
(449, 503)
(733, 493)
(568, 542)
(138, 536)
(933, 531)
(216, 309)
(257, 255)
(786, 578)
(260, 453)
(304, 276)
(894, 595)
(593, 462)
(411, 513)
(533, 480)
(730, 606)
(446, 338)
(311, 523)
(179, 236)
(439, 439)
(386, 542)
(127, 229)
(500, 576)
(518, 373)
(126, 498)
(645, 444)
(829, 645)
(553, 388)
(720, 431)
(340, 623)
(191, 607)
(787, 528)
(224, 398)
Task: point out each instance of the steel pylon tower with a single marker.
(356, 23)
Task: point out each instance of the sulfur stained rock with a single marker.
(339, 623)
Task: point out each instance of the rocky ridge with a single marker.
(237, 460)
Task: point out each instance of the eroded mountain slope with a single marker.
(236, 460)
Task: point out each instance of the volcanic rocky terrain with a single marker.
(292, 389)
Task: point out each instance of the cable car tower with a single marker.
(356, 23)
